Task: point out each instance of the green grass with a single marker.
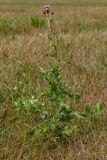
(10, 25)
(82, 31)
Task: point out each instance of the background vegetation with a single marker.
(82, 29)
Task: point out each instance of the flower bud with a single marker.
(46, 9)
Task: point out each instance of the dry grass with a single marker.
(83, 41)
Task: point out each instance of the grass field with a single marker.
(82, 29)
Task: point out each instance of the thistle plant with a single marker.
(56, 115)
(57, 118)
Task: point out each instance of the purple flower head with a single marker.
(46, 8)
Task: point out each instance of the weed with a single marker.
(57, 116)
